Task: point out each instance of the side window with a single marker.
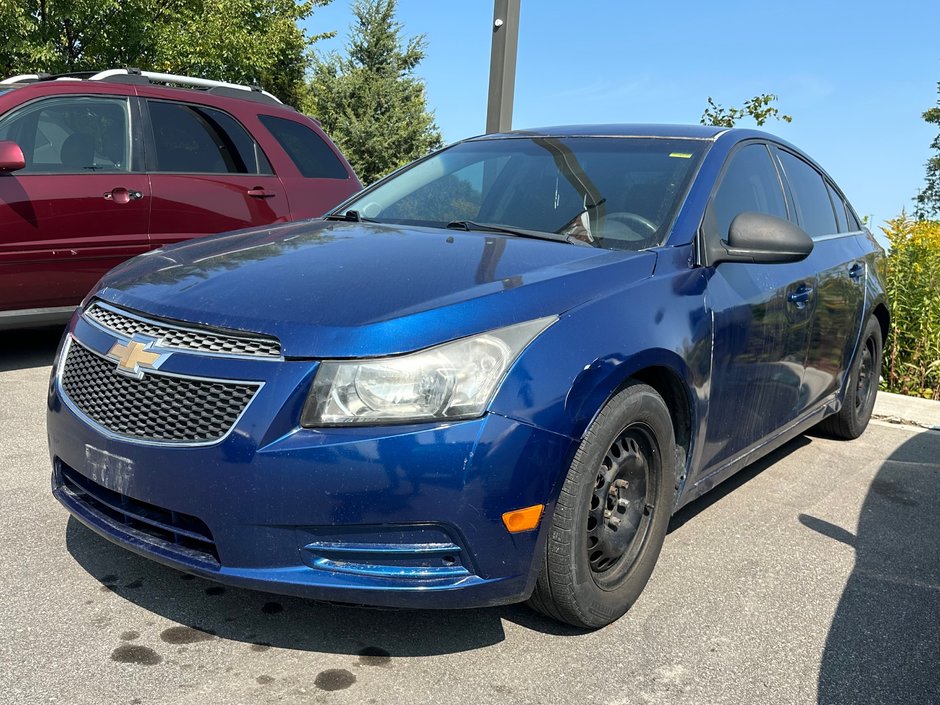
(839, 207)
(74, 135)
(750, 183)
(812, 199)
(311, 155)
(854, 225)
(197, 139)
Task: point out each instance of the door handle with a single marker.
(856, 271)
(122, 195)
(259, 192)
(800, 296)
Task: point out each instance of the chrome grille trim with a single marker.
(173, 336)
(95, 411)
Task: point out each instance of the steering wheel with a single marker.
(629, 232)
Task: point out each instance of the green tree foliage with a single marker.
(370, 101)
(761, 108)
(242, 41)
(928, 200)
(912, 350)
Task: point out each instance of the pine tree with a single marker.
(370, 101)
(928, 200)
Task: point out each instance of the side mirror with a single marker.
(11, 157)
(763, 239)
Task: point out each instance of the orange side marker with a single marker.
(523, 519)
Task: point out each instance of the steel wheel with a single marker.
(865, 377)
(861, 387)
(622, 503)
(612, 512)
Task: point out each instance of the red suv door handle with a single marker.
(122, 195)
(259, 192)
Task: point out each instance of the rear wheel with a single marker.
(861, 388)
(611, 516)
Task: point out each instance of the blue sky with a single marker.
(855, 76)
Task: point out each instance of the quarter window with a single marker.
(750, 183)
(197, 139)
(311, 155)
(74, 135)
(815, 210)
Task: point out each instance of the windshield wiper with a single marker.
(349, 217)
(520, 232)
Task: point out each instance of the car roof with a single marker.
(51, 84)
(617, 130)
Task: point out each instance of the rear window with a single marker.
(311, 155)
(839, 208)
(854, 225)
(201, 140)
(812, 200)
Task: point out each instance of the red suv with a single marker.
(97, 168)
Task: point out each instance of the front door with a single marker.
(77, 209)
(761, 315)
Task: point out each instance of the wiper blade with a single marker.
(519, 232)
(349, 217)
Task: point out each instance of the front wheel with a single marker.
(611, 516)
(861, 388)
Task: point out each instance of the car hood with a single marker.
(337, 289)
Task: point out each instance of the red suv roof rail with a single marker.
(132, 75)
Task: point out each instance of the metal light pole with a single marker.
(502, 65)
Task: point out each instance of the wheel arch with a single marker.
(884, 319)
(668, 375)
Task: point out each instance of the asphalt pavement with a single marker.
(810, 577)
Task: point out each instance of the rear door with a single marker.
(80, 206)
(207, 174)
(761, 315)
(840, 285)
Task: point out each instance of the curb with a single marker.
(911, 411)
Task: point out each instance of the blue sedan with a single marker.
(490, 377)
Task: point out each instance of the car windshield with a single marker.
(613, 192)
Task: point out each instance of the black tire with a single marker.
(861, 388)
(591, 574)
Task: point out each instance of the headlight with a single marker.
(455, 380)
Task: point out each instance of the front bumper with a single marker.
(406, 516)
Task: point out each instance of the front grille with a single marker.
(181, 338)
(180, 533)
(158, 407)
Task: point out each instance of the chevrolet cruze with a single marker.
(490, 377)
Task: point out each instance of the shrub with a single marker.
(912, 350)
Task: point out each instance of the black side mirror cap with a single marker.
(761, 239)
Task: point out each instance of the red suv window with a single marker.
(71, 135)
(195, 139)
(310, 154)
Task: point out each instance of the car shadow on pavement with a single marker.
(33, 347)
(262, 620)
(884, 642)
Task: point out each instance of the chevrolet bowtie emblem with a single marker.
(133, 356)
